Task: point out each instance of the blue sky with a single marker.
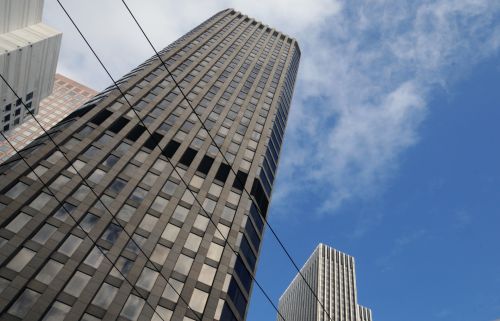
(427, 247)
(391, 147)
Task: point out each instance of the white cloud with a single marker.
(366, 75)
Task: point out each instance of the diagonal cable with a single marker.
(224, 157)
(94, 242)
(155, 140)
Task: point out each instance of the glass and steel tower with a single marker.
(332, 276)
(171, 245)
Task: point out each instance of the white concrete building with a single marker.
(29, 51)
(332, 276)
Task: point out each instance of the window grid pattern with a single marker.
(233, 69)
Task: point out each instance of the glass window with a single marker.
(117, 185)
(97, 176)
(23, 304)
(54, 157)
(148, 222)
(77, 283)
(70, 245)
(188, 196)
(169, 188)
(76, 166)
(147, 279)
(135, 243)
(123, 267)
(228, 213)
(160, 165)
(89, 317)
(160, 254)
(172, 290)
(159, 204)
(150, 179)
(209, 205)
(198, 300)
(62, 212)
(215, 252)
(141, 156)
(59, 183)
(95, 257)
(130, 170)
(126, 212)
(18, 222)
(132, 308)
(38, 171)
(201, 222)
(112, 232)
(88, 222)
(162, 314)
(215, 190)
(57, 312)
(139, 194)
(105, 295)
(44, 233)
(16, 190)
(180, 213)
(49, 271)
(233, 198)
(222, 231)
(170, 233)
(110, 161)
(193, 242)
(196, 181)
(39, 202)
(81, 192)
(207, 274)
(183, 264)
(21, 259)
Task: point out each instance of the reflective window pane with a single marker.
(183, 264)
(148, 222)
(88, 222)
(44, 233)
(105, 295)
(77, 283)
(172, 290)
(23, 304)
(49, 271)
(57, 312)
(18, 222)
(170, 233)
(147, 279)
(21, 259)
(132, 308)
(207, 274)
(160, 254)
(123, 267)
(95, 257)
(16, 190)
(39, 202)
(198, 300)
(70, 245)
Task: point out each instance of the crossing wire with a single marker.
(220, 151)
(156, 142)
(94, 242)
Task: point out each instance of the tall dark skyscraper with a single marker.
(133, 207)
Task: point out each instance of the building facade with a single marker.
(170, 210)
(331, 274)
(66, 97)
(29, 51)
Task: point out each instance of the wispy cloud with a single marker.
(385, 262)
(367, 73)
